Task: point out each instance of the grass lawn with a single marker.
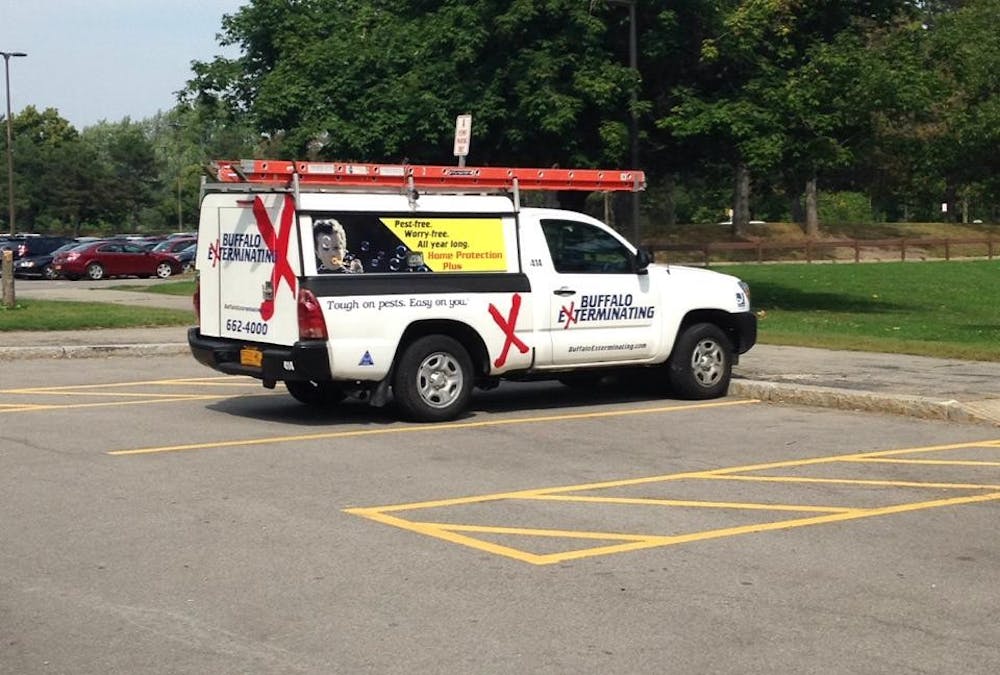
(944, 309)
(59, 315)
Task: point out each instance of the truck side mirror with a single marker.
(642, 260)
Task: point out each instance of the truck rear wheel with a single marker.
(316, 394)
(433, 379)
(702, 363)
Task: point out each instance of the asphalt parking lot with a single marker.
(161, 518)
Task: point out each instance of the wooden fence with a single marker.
(828, 250)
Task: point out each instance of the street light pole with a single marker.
(180, 218)
(10, 151)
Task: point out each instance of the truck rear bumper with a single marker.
(305, 360)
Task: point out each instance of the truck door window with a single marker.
(580, 248)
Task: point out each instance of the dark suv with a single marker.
(26, 247)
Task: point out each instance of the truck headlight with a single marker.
(743, 296)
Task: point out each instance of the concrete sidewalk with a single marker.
(922, 387)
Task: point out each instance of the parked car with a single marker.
(186, 256)
(40, 265)
(100, 259)
(24, 247)
(174, 245)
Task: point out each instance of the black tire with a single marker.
(433, 379)
(701, 364)
(164, 270)
(95, 272)
(315, 394)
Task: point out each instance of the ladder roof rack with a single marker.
(321, 175)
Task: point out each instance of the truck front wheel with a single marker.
(433, 379)
(702, 363)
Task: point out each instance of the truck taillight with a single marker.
(196, 300)
(311, 323)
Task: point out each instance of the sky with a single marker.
(95, 60)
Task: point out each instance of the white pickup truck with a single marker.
(416, 284)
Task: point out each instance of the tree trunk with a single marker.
(669, 202)
(795, 207)
(741, 201)
(812, 209)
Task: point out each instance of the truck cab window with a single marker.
(579, 248)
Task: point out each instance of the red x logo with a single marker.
(277, 243)
(214, 251)
(508, 326)
(570, 314)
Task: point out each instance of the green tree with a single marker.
(131, 180)
(782, 87)
(48, 177)
(379, 80)
(965, 50)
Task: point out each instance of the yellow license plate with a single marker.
(251, 357)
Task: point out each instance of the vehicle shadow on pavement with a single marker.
(510, 397)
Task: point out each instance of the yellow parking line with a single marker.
(108, 404)
(110, 394)
(930, 462)
(428, 427)
(110, 385)
(743, 506)
(851, 481)
(20, 407)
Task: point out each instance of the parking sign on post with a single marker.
(463, 137)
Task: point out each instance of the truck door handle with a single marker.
(563, 292)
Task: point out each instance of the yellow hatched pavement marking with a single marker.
(459, 533)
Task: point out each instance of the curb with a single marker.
(867, 401)
(93, 351)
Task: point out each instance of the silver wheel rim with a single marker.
(95, 272)
(707, 363)
(163, 270)
(439, 379)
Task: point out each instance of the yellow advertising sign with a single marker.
(454, 244)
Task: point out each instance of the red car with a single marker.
(100, 259)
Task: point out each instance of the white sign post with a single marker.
(463, 137)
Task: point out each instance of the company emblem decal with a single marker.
(508, 326)
(276, 242)
(604, 307)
